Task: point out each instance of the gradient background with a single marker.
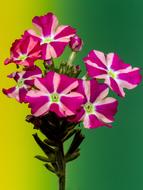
(110, 158)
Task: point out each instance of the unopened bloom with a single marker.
(24, 51)
(98, 109)
(54, 93)
(76, 43)
(53, 38)
(25, 81)
(116, 73)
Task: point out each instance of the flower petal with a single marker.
(17, 93)
(130, 79)
(46, 24)
(92, 122)
(67, 84)
(115, 63)
(116, 87)
(45, 84)
(38, 102)
(64, 33)
(106, 109)
(57, 48)
(58, 109)
(67, 101)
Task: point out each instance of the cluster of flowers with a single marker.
(78, 99)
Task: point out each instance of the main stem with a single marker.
(62, 183)
(62, 167)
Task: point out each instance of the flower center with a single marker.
(22, 57)
(55, 97)
(89, 108)
(20, 83)
(112, 74)
(47, 40)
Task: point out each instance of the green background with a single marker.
(110, 158)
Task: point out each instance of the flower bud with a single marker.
(49, 62)
(76, 43)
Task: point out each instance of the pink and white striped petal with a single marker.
(47, 24)
(58, 109)
(67, 84)
(96, 64)
(17, 93)
(67, 101)
(97, 58)
(106, 109)
(39, 102)
(92, 122)
(115, 87)
(131, 79)
(115, 63)
(64, 33)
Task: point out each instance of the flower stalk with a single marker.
(57, 131)
(71, 58)
(62, 165)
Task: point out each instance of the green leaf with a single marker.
(49, 142)
(73, 156)
(78, 138)
(44, 159)
(70, 134)
(50, 152)
(50, 168)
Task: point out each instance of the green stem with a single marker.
(62, 167)
(71, 58)
(62, 183)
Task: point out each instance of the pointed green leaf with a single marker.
(71, 157)
(70, 134)
(78, 138)
(47, 149)
(44, 159)
(50, 168)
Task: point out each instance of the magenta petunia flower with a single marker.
(116, 73)
(25, 81)
(98, 109)
(53, 38)
(54, 93)
(24, 51)
(76, 43)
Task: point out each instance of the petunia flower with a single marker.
(25, 81)
(98, 109)
(53, 38)
(117, 74)
(24, 51)
(54, 93)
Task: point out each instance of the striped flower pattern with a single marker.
(24, 51)
(53, 38)
(51, 88)
(97, 109)
(117, 74)
(54, 93)
(25, 81)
